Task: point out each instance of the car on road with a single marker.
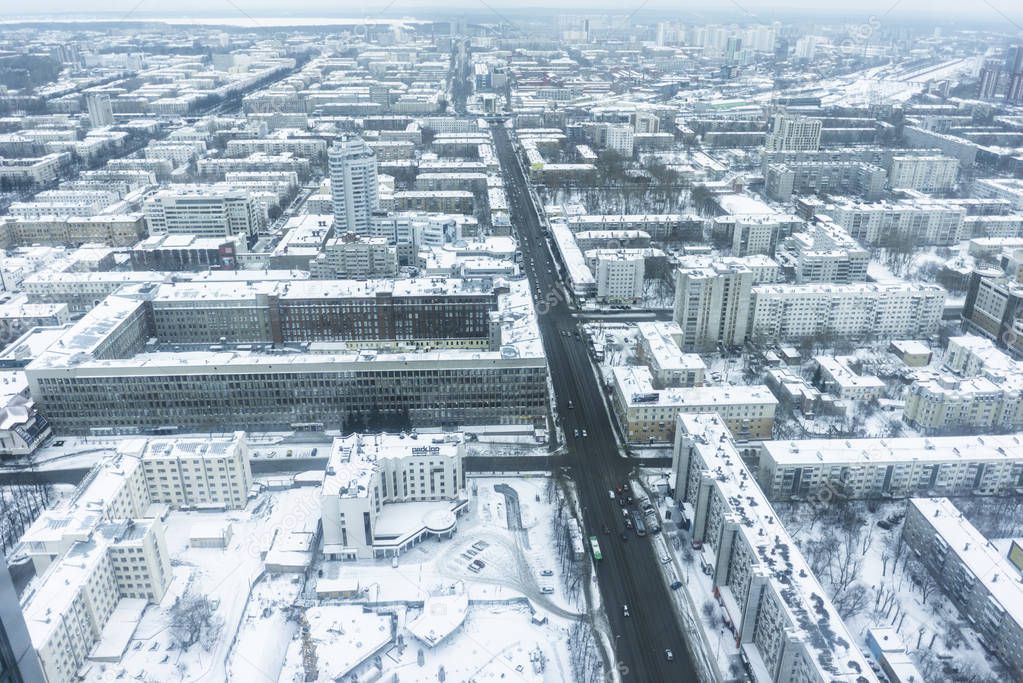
(546, 572)
(570, 405)
(669, 654)
(474, 569)
(665, 559)
(675, 585)
(479, 564)
(583, 432)
(480, 545)
(547, 590)
(625, 610)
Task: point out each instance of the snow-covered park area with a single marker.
(500, 600)
(875, 580)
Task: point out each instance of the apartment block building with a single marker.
(931, 173)
(357, 257)
(972, 573)
(781, 181)
(993, 308)
(908, 222)
(782, 620)
(792, 133)
(72, 601)
(202, 212)
(660, 349)
(618, 273)
(658, 226)
(891, 467)
(938, 402)
(648, 415)
(853, 311)
(824, 252)
(353, 184)
(198, 472)
(374, 485)
(712, 304)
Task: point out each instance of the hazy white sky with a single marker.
(1010, 11)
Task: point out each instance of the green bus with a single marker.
(595, 548)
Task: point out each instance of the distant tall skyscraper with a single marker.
(353, 184)
(100, 111)
(1014, 68)
(989, 73)
(18, 660)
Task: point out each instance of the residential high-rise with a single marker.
(793, 133)
(712, 305)
(101, 113)
(353, 184)
(988, 80)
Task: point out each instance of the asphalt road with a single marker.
(629, 573)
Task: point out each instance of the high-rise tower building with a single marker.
(353, 184)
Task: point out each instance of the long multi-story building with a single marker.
(105, 374)
(169, 253)
(648, 415)
(783, 621)
(853, 311)
(781, 181)
(423, 312)
(938, 402)
(900, 467)
(202, 212)
(370, 476)
(933, 173)
(900, 223)
(353, 184)
(972, 573)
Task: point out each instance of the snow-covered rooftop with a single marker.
(1005, 448)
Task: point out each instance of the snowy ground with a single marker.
(525, 579)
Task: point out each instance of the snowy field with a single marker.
(524, 606)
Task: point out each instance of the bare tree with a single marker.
(192, 620)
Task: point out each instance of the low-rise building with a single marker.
(648, 415)
(660, 349)
(835, 376)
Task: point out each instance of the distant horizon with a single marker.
(249, 13)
